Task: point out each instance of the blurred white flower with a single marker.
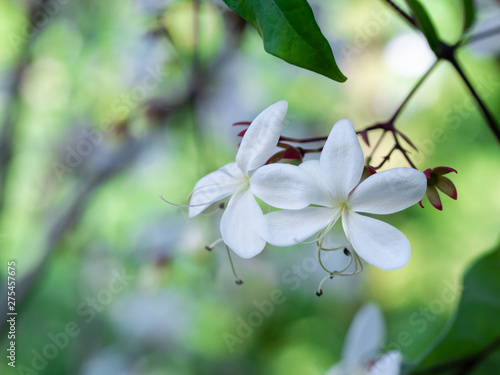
(409, 55)
(362, 346)
(152, 317)
(108, 361)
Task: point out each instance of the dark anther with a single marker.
(208, 248)
(222, 205)
(238, 282)
(346, 252)
(319, 293)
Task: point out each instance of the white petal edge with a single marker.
(337, 369)
(290, 227)
(322, 197)
(284, 186)
(389, 191)
(260, 140)
(378, 243)
(238, 225)
(365, 337)
(214, 186)
(389, 364)
(342, 160)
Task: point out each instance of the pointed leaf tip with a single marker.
(290, 32)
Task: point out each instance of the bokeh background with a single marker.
(105, 106)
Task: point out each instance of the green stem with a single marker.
(402, 13)
(412, 92)
(479, 36)
(486, 112)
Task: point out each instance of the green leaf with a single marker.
(290, 32)
(469, 13)
(473, 340)
(425, 24)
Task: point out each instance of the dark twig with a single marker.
(486, 112)
(402, 13)
(412, 92)
(69, 217)
(482, 35)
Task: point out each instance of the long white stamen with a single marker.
(358, 268)
(183, 205)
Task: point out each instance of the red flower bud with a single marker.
(436, 181)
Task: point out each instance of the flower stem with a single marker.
(412, 92)
(376, 146)
(402, 13)
(486, 113)
(306, 140)
(479, 36)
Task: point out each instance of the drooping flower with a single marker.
(279, 185)
(436, 181)
(338, 194)
(362, 346)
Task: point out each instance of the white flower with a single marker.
(336, 174)
(364, 339)
(279, 185)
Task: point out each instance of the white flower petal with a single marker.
(215, 186)
(365, 337)
(322, 197)
(341, 160)
(389, 364)
(338, 369)
(283, 186)
(260, 140)
(379, 243)
(289, 227)
(389, 191)
(238, 225)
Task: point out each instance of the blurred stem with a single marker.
(7, 131)
(389, 126)
(69, 216)
(402, 13)
(479, 36)
(376, 146)
(8, 128)
(486, 112)
(412, 92)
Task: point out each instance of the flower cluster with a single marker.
(311, 197)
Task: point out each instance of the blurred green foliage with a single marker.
(163, 82)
